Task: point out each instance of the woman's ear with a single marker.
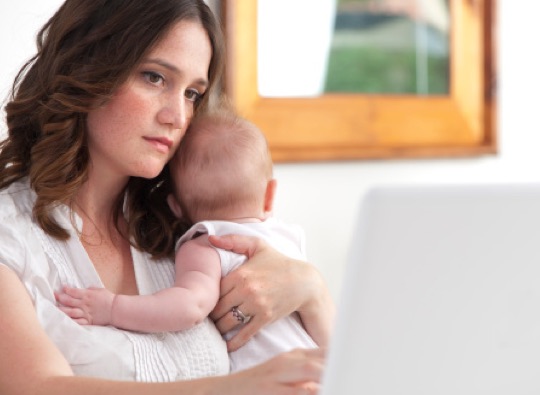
(269, 197)
(174, 206)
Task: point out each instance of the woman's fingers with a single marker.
(245, 333)
(257, 287)
(296, 372)
(304, 365)
(245, 245)
(228, 299)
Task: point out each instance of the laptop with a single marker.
(441, 294)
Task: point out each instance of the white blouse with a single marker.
(45, 264)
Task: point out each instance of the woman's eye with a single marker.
(153, 77)
(193, 95)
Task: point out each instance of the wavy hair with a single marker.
(84, 53)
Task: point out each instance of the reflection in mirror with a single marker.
(307, 48)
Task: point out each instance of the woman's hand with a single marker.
(270, 286)
(297, 372)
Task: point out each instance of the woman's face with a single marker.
(138, 130)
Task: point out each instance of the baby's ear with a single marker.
(269, 197)
(174, 206)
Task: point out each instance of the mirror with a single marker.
(353, 46)
(452, 117)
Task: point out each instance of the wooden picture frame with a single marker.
(362, 126)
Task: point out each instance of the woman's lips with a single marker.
(162, 144)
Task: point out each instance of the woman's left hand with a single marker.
(270, 286)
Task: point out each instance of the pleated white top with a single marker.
(44, 264)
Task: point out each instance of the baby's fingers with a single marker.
(76, 315)
(67, 300)
(77, 293)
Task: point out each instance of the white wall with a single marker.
(324, 197)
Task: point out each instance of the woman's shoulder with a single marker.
(16, 203)
(16, 200)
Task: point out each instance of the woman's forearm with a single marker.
(92, 386)
(318, 311)
(294, 373)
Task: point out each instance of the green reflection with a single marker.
(386, 50)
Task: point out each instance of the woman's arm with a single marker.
(32, 365)
(270, 286)
(27, 357)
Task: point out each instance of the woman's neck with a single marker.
(95, 203)
(103, 236)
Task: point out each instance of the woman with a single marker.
(94, 118)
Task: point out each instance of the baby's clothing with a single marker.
(282, 335)
(44, 264)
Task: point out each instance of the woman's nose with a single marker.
(174, 113)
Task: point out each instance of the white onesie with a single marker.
(284, 334)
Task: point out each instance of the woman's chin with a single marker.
(149, 172)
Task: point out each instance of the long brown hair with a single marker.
(84, 53)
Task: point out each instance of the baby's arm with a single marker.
(188, 302)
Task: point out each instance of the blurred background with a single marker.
(324, 197)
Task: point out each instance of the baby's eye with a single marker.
(153, 77)
(193, 95)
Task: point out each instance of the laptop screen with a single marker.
(441, 294)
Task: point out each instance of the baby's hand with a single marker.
(92, 306)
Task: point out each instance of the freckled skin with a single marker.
(155, 103)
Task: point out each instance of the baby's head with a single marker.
(222, 169)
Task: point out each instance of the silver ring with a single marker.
(244, 319)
